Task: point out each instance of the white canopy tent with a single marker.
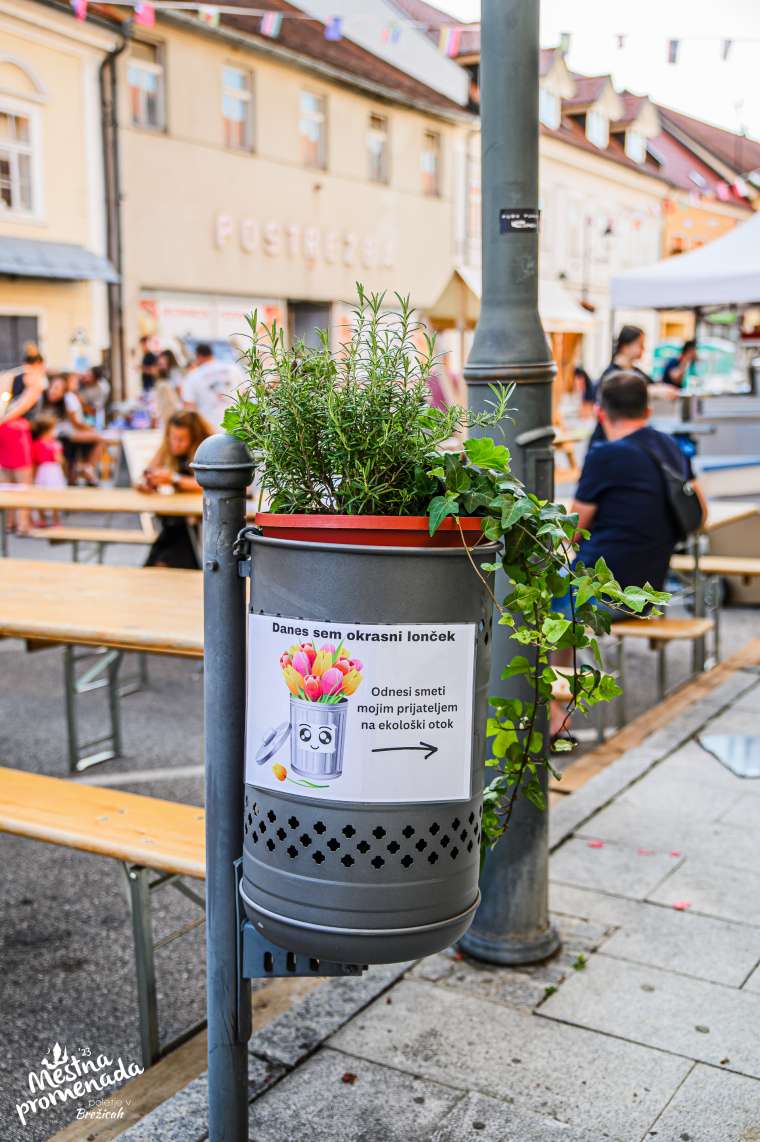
(725, 272)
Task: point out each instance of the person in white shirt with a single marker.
(211, 385)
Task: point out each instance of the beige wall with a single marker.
(49, 70)
(192, 206)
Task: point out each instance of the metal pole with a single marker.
(224, 470)
(512, 925)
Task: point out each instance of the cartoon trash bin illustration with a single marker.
(320, 682)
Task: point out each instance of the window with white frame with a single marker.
(549, 108)
(635, 146)
(598, 129)
(312, 127)
(237, 108)
(145, 81)
(377, 149)
(430, 164)
(17, 161)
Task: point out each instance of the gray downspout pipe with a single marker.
(109, 119)
(512, 924)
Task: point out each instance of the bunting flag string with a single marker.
(271, 23)
(145, 14)
(449, 35)
(449, 39)
(209, 16)
(334, 29)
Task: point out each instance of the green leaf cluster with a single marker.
(352, 432)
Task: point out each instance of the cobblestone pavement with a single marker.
(67, 960)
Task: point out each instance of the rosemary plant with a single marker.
(352, 432)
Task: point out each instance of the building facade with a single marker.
(274, 175)
(53, 267)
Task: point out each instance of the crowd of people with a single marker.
(53, 426)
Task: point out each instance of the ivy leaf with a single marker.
(554, 628)
(485, 453)
(518, 511)
(518, 665)
(440, 507)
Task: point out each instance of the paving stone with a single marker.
(745, 814)
(713, 889)
(694, 765)
(753, 983)
(590, 1081)
(711, 1106)
(703, 1021)
(690, 801)
(336, 1098)
(434, 968)
(736, 720)
(661, 831)
(567, 900)
(479, 1119)
(740, 689)
(613, 868)
(301, 1029)
(182, 1118)
(570, 813)
(687, 943)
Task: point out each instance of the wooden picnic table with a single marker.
(153, 609)
(127, 500)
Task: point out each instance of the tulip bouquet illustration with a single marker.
(320, 681)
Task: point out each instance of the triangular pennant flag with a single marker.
(620, 42)
(334, 29)
(449, 40)
(673, 46)
(723, 190)
(209, 16)
(564, 42)
(79, 8)
(725, 49)
(145, 14)
(271, 24)
(742, 188)
(391, 33)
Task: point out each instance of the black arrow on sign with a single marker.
(425, 746)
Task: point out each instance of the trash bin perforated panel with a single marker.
(390, 871)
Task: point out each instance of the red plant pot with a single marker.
(370, 530)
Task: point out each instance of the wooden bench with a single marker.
(731, 566)
(158, 843)
(658, 633)
(101, 537)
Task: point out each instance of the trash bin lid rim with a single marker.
(306, 926)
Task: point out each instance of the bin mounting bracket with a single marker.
(259, 959)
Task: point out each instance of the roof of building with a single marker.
(632, 105)
(738, 152)
(306, 38)
(588, 88)
(571, 131)
(681, 167)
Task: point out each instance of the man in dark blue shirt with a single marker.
(621, 497)
(622, 500)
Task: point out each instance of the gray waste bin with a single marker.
(363, 808)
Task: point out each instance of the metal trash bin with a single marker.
(363, 808)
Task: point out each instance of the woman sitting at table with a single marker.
(169, 471)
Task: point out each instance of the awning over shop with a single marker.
(59, 261)
(724, 272)
(458, 306)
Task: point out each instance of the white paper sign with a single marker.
(372, 713)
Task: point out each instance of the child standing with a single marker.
(47, 457)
